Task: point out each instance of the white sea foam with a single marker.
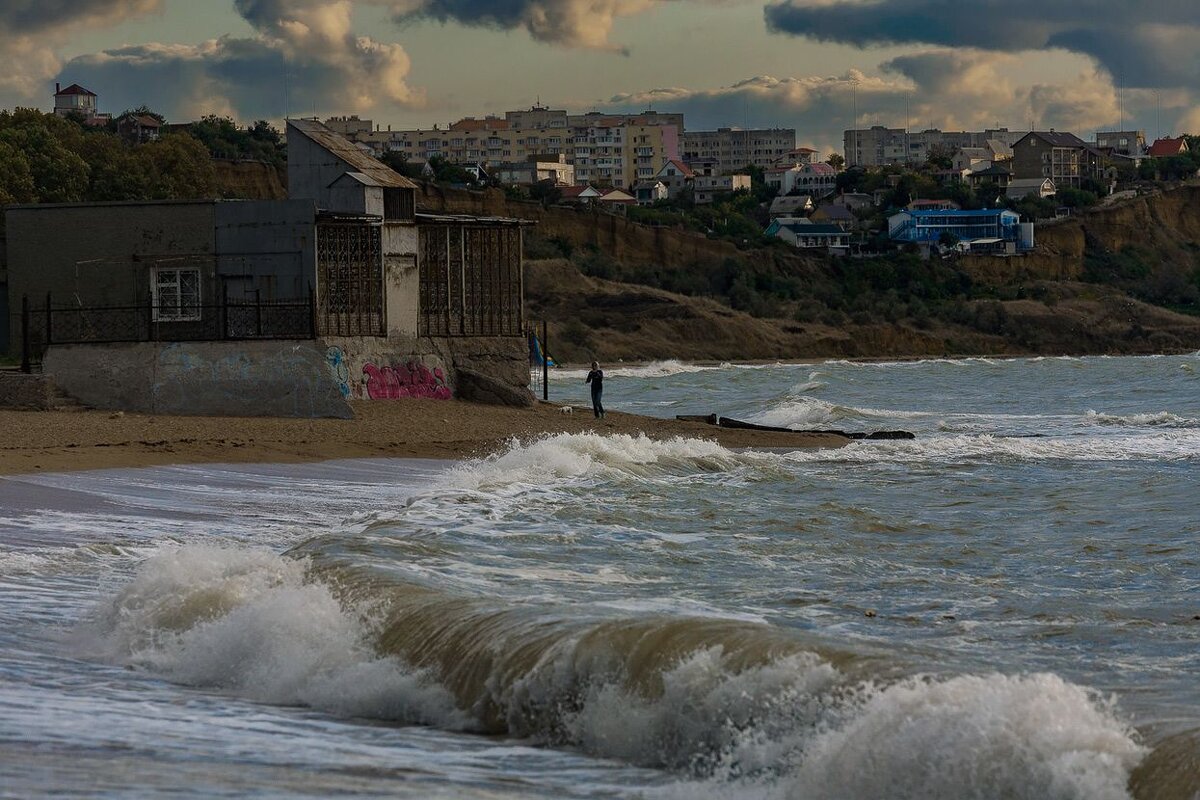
(1160, 419)
(578, 455)
(1166, 446)
(807, 412)
(654, 369)
(1030, 737)
(248, 621)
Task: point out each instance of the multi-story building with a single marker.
(878, 146)
(1062, 157)
(734, 148)
(1122, 143)
(708, 182)
(535, 170)
(817, 180)
(78, 101)
(613, 149)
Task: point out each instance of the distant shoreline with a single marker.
(68, 441)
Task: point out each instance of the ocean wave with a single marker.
(1161, 419)
(730, 703)
(1167, 446)
(579, 455)
(654, 369)
(808, 412)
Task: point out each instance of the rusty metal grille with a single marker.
(470, 280)
(350, 279)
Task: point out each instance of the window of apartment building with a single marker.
(176, 294)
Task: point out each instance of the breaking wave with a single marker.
(654, 369)
(726, 702)
(1161, 419)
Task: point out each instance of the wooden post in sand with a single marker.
(545, 364)
(25, 365)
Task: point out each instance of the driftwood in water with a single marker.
(727, 422)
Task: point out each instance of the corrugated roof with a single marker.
(348, 152)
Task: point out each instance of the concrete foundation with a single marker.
(18, 390)
(255, 379)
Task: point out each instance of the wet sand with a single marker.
(60, 441)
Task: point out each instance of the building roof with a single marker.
(579, 192)
(376, 171)
(617, 196)
(995, 170)
(835, 212)
(145, 120)
(1168, 147)
(1058, 139)
(74, 88)
(683, 168)
(820, 168)
(807, 228)
(650, 184)
(919, 205)
(1035, 182)
(790, 203)
(965, 214)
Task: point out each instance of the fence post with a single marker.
(545, 364)
(258, 312)
(49, 326)
(25, 361)
(151, 334)
(312, 311)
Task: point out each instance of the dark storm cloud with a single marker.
(1140, 44)
(19, 17)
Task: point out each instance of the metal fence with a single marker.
(45, 324)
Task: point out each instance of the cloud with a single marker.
(948, 89)
(572, 23)
(1140, 45)
(31, 29)
(308, 46)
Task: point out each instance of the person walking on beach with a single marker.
(596, 379)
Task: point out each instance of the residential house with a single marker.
(995, 173)
(796, 157)
(1021, 188)
(932, 227)
(708, 183)
(808, 235)
(676, 176)
(816, 179)
(650, 192)
(1063, 157)
(835, 215)
(138, 128)
(791, 206)
(972, 158)
(580, 194)
(1167, 147)
(79, 102)
(855, 201)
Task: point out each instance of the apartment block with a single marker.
(733, 148)
(878, 146)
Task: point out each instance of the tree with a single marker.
(836, 161)
(16, 179)
(546, 192)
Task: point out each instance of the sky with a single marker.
(815, 65)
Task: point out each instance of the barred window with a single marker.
(176, 295)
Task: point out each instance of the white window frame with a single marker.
(181, 313)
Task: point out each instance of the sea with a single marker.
(1006, 606)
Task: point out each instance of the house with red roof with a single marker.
(676, 175)
(1165, 148)
(78, 101)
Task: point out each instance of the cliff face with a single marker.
(1166, 225)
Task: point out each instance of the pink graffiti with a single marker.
(413, 379)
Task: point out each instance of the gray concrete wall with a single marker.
(266, 245)
(101, 254)
(366, 368)
(254, 379)
(18, 390)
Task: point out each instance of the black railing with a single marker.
(45, 324)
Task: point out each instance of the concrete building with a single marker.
(733, 149)
(1062, 157)
(878, 146)
(708, 184)
(376, 300)
(536, 170)
(650, 192)
(1123, 143)
(930, 227)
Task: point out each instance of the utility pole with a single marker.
(854, 106)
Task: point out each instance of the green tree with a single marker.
(59, 175)
(836, 161)
(16, 179)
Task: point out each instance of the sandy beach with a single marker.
(59, 441)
